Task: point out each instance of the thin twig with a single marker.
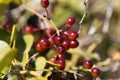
(107, 18)
(42, 17)
(85, 13)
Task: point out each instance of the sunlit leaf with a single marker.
(6, 54)
(13, 78)
(29, 42)
(40, 64)
(5, 1)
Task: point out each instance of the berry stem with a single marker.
(85, 13)
(33, 11)
(42, 18)
(47, 12)
(52, 23)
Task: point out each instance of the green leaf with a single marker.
(6, 54)
(29, 42)
(5, 1)
(4, 72)
(4, 35)
(40, 64)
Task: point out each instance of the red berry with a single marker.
(70, 21)
(53, 60)
(73, 35)
(8, 26)
(74, 44)
(95, 72)
(66, 44)
(61, 63)
(51, 40)
(45, 3)
(60, 49)
(58, 39)
(49, 32)
(66, 33)
(28, 29)
(39, 47)
(60, 56)
(87, 64)
(44, 43)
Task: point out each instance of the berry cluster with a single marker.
(62, 42)
(95, 72)
(50, 39)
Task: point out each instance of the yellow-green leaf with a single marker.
(6, 54)
(29, 42)
(5, 1)
(40, 64)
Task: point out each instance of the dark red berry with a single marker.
(66, 33)
(51, 40)
(95, 72)
(53, 60)
(45, 3)
(28, 29)
(87, 64)
(70, 21)
(58, 39)
(73, 35)
(39, 47)
(61, 63)
(66, 44)
(74, 44)
(60, 56)
(8, 26)
(60, 49)
(44, 43)
(49, 32)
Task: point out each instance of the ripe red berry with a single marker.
(28, 29)
(74, 44)
(58, 39)
(60, 56)
(70, 21)
(39, 47)
(73, 35)
(60, 49)
(66, 33)
(49, 32)
(61, 63)
(8, 26)
(44, 43)
(66, 44)
(45, 3)
(95, 72)
(53, 60)
(51, 40)
(87, 64)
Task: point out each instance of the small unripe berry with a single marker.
(70, 21)
(87, 64)
(45, 3)
(95, 72)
